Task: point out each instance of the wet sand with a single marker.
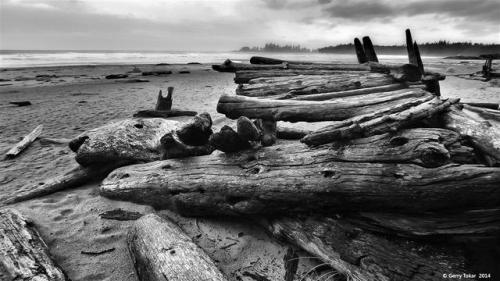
(68, 100)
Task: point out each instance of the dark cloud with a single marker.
(359, 10)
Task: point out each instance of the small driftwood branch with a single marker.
(25, 142)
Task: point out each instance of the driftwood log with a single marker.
(331, 110)
(484, 134)
(25, 142)
(378, 122)
(23, 253)
(162, 251)
(244, 77)
(296, 178)
(164, 113)
(290, 133)
(348, 93)
(122, 142)
(363, 256)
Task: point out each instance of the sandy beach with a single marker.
(68, 100)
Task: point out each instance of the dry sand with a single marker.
(73, 99)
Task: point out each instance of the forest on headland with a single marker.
(440, 48)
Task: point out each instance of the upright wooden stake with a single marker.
(420, 64)
(369, 50)
(360, 52)
(410, 48)
(164, 103)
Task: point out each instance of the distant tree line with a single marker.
(272, 47)
(440, 48)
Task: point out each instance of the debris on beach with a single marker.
(116, 76)
(21, 103)
(25, 142)
(163, 108)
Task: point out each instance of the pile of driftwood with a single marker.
(392, 189)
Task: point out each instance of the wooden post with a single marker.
(369, 50)
(420, 64)
(164, 103)
(360, 52)
(410, 48)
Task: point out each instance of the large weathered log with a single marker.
(229, 66)
(161, 251)
(73, 178)
(265, 60)
(335, 109)
(369, 50)
(363, 256)
(242, 77)
(385, 120)
(25, 142)
(484, 134)
(487, 105)
(164, 113)
(23, 253)
(312, 84)
(122, 142)
(295, 178)
(355, 92)
(360, 52)
(478, 223)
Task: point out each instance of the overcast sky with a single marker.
(220, 25)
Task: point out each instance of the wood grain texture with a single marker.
(23, 254)
(161, 251)
(25, 142)
(291, 178)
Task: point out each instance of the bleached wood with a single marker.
(25, 142)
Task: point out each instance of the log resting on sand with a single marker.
(244, 77)
(161, 251)
(296, 178)
(164, 113)
(378, 122)
(122, 142)
(25, 142)
(331, 110)
(348, 93)
(484, 134)
(363, 256)
(74, 177)
(23, 253)
(312, 84)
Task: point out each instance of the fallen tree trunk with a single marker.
(312, 84)
(23, 253)
(487, 105)
(473, 223)
(348, 93)
(265, 60)
(123, 142)
(336, 109)
(484, 112)
(73, 178)
(295, 178)
(25, 142)
(164, 113)
(243, 77)
(383, 121)
(363, 256)
(484, 134)
(290, 133)
(162, 251)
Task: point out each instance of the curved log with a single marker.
(336, 109)
(162, 251)
(294, 178)
(23, 253)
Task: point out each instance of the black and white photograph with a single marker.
(249, 140)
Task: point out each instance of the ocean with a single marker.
(13, 58)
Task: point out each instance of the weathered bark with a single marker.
(488, 105)
(412, 58)
(478, 223)
(378, 122)
(294, 178)
(348, 93)
(122, 142)
(418, 58)
(173, 147)
(196, 131)
(227, 140)
(243, 77)
(164, 103)
(161, 251)
(484, 112)
(360, 52)
(335, 109)
(247, 130)
(265, 60)
(164, 113)
(289, 133)
(23, 253)
(73, 178)
(268, 131)
(369, 50)
(25, 142)
(484, 134)
(312, 84)
(363, 256)
(229, 66)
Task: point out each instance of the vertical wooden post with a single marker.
(164, 103)
(360, 52)
(410, 48)
(420, 64)
(369, 50)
